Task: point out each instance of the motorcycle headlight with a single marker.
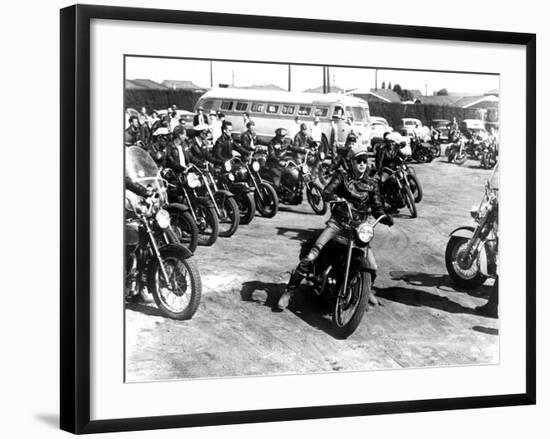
(305, 168)
(227, 165)
(193, 180)
(322, 155)
(231, 177)
(163, 219)
(365, 232)
(256, 166)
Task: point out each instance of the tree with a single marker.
(406, 95)
(443, 92)
(383, 85)
(389, 86)
(397, 89)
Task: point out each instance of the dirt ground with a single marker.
(422, 320)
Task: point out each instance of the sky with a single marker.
(302, 77)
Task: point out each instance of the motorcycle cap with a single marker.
(357, 150)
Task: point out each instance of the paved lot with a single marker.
(422, 321)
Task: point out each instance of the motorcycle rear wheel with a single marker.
(350, 307)
(229, 219)
(181, 300)
(467, 278)
(315, 198)
(267, 201)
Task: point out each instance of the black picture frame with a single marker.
(75, 217)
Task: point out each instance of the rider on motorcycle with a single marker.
(199, 151)
(225, 145)
(340, 161)
(361, 192)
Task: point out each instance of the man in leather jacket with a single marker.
(248, 139)
(361, 191)
(199, 151)
(223, 149)
(389, 154)
(133, 133)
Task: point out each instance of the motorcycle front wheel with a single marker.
(315, 198)
(185, 229)
(247, 207)
(178, 298)
(351, 304)
(267, 201)
(409, 201)
(416, 188)
(229, 215)
(207, 223)
(464, 277)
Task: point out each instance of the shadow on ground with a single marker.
(297, 234)
(439, 281)
(304, 304)
(149, 310)
(416, 297)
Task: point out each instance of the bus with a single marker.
(277, 109)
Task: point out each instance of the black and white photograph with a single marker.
(287, 219)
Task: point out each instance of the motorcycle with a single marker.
(265, 196)
(420, 152)
(397, 192)
(472, 258)
(474, 147)
(234, 178)
(217, 210)
(293, 178)
(412, 179)
(155, 261)
(456, 152)
(435, 145)
(489, 157)
(344, 271)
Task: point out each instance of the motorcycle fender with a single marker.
(463, 231)
(483, 266)
(239, 188)
(366, 261)
(224, 193)
(179, 249)
(176, 206)
(206, 200)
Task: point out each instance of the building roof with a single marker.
(333, 89)
(494, 92)
(131, 85)
(263, 87)
(148, 84)
(383, 94)
(436, 100)
(469, 101)
(180, 85)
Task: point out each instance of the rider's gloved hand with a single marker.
(387, 220)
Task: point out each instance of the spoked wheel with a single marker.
(229, 215)
(416, 188)
(460, 159)
(409, 201)
(179, 297)
(207, 223)
(463, 275)
(315, 198)
(247, 207)
(351, 304)
(185, 228)
(267, 201)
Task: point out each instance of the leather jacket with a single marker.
(223, 149)
(362, 193)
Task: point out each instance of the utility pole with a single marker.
(289, 78)
(211, 75)
(426, 88)
(232, 78)
(328, 79)
(324, 79)
(375, 79)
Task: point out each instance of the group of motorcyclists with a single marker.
(364, 186)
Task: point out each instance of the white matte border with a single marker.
(111, 398)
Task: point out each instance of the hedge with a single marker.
(161, 99)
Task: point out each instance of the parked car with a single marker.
(441, 125)
(408, 125)
(476, 126)
(379, 126)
